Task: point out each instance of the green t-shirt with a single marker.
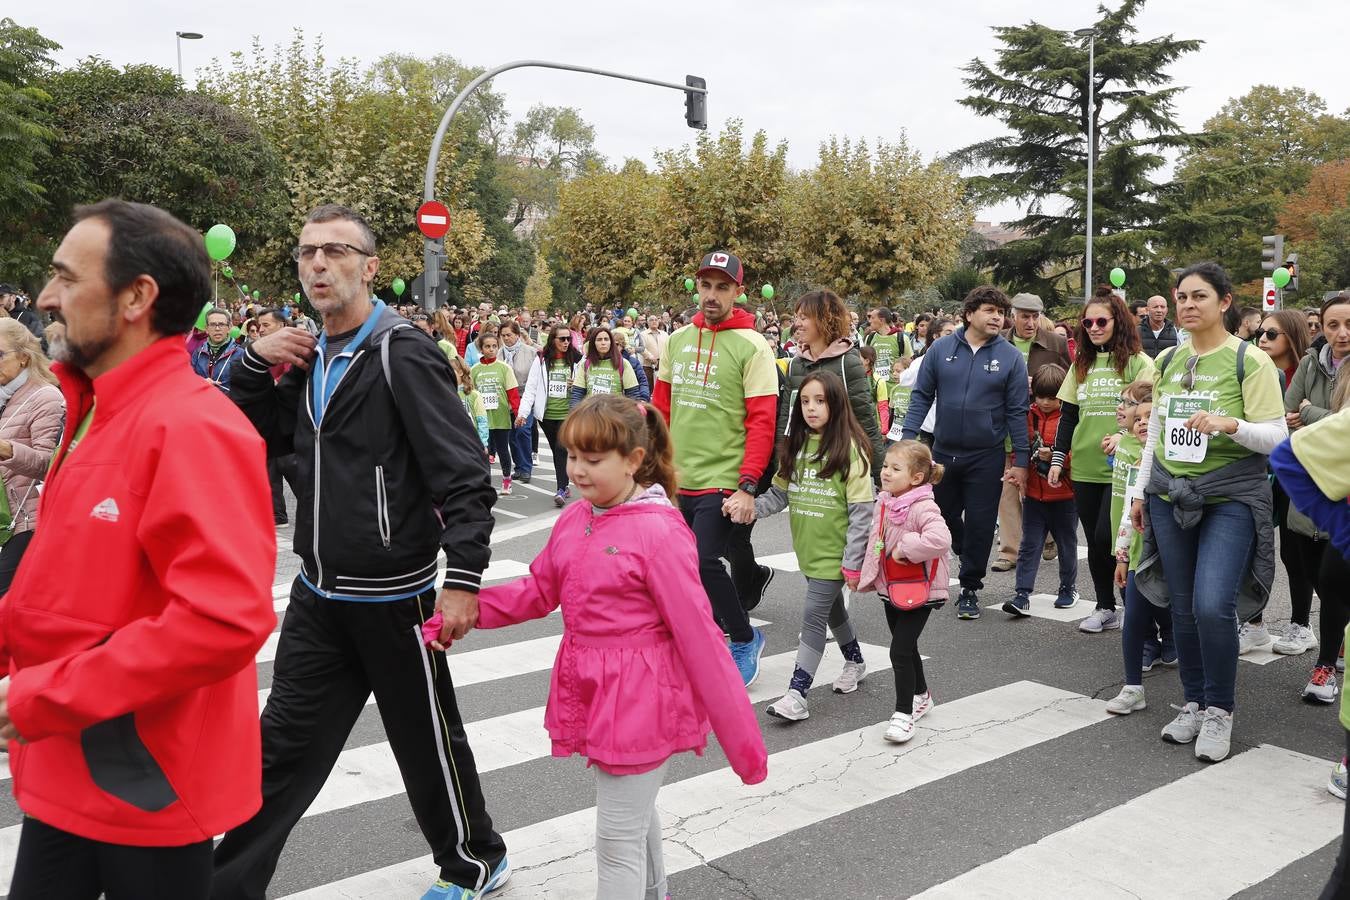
(1023, 346)
(448, 348)
(818, 510)
(473, 403)
(1097, 398)
(558, 384)
(1124, 480)
(603, 378)
(1188, 454)
(711, 375)
(888, 351)
(493, 380)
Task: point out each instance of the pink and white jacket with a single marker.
(642, 668)
(914, 526)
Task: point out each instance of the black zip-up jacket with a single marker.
(388, 478)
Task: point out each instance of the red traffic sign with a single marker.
(433, 219)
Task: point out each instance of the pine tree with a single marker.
(1037, 86)
(539, 289)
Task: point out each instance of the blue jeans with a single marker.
(1204, 566)
(1060, 518)
(521, 449)
(968, 497)
(1144, 624)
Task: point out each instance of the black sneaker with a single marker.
(756, 597)
(967, 605)
(1019, 605)
(522, 477)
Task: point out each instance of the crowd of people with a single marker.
(984, 438)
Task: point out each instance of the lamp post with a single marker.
(184, 36)
(1091, 35)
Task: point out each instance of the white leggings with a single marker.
(628, 856)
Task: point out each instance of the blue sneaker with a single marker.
(746, 656)
(1152, 654)
(967, 605)
(1067, 598)
(1019, 605)
(447, 890)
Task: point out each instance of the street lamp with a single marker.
(184, 36)
(1091, 35)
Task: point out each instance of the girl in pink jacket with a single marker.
(642, 669)
(908, 526)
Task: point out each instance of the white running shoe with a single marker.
(851, 676)
(1130, 699)
(922, 704)
(792, 706)
(1297, 639)
(1322, 685)
(1216, 735)
(1253, 637)
(1184, 728)
(900, 729)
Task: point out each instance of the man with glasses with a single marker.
(214, 359)
(391, 473)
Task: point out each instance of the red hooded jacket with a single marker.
(130, 630)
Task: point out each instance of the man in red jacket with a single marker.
(131, 709)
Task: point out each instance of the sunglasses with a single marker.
(1099, 322)
(564, 338)
(1270, 333)
(1188, 380)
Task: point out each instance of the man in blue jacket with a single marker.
(978, 380)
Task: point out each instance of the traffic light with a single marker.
(1291, 263)
(1272, 252)
(696, 103)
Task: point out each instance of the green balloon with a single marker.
(201, 317)
(1117, 276)
(227, 272)
(257, 295)
(244, 288)
(1280, 276)
(219, 242)
(632, 311)
(689, 285)
(234, 333)
(766, 292)
(297, 296)
(399, 287)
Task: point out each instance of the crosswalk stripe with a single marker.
(1205, 818)
(786, 562)
(506, 512)
(712, 815)
(1043, 607)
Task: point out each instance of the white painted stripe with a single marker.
(536, 523)
(713, 815)
(1200, 824)
(506, 512)
(784, 562)
(1043, 607)
(497, 570)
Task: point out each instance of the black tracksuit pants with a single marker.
(331, 655)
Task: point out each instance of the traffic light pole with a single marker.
(433, 251)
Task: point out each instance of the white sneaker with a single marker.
(1253, 637)
(1130, 699)
(1101, 620)
(1216, 734)
(922, 704)
(792, 706)
(1297, 639)
(1322, 685)
(852, 675)
(900, 729)
(1184, 728)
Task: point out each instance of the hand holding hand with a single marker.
(459, 614)
(1017, 475)
(740, 508)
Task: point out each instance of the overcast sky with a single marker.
(802, 71)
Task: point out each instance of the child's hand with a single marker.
(1053, 476)
(851, 583)
(1110, 443)
(1122, 569)
(898, 556)
(1044, 452)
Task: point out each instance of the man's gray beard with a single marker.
(78, 355)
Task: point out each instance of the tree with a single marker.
(1316, 223)
(25, 135)
(549, 146)
(539, 289)
(874, 222)
(602, 231)
(1037, 87)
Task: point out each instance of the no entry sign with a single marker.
(433, 219)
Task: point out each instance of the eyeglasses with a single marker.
(1188, 380)
(1270, 333)
(1099, 322)
(217, 324)
(331, 250)
(421, 318)
(1122, 400)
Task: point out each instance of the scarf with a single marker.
(9, 390)
(890, 509)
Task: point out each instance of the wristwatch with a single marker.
(750, 487)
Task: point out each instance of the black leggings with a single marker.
(1338, 887)
(1333, 583)
(551, 428)
(57, 865)
(1094, 513)
(1302, 557)
(906, 663)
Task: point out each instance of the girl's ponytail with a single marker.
(935, 474)
(658, 466)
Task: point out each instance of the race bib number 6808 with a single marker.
(1182, 444)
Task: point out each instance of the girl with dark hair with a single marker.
(546, 398)
(824, 481)
(1206, 510)
(1107, 358)
(604, 370)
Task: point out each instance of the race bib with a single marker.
(557, 385)
(897, 429)
(489, 399)
(602, 385)
(1182, 444)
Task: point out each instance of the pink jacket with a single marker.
(31, 422)
(642, 668)
(913, 525)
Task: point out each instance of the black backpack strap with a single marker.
(384, 358)
(1242, 363)
(1164, 362)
